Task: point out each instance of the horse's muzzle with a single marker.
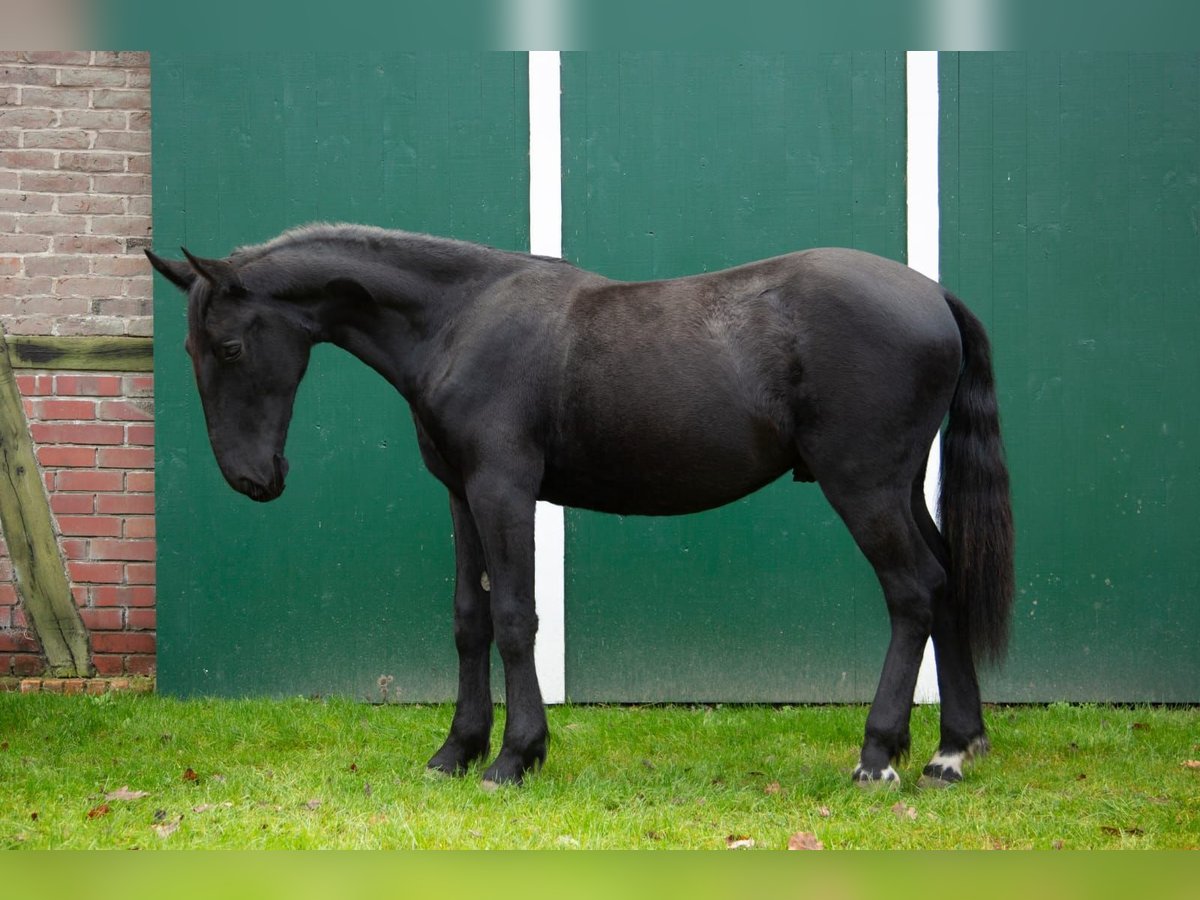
(260, 492)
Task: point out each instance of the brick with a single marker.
(126, 410)
(89, 480)
(56, 139)
(73, 548)
(141, 619)
(93, 119)
(88, 385)
(120, 266)
(52, 685)
(91, 77)
(73, 685)
(9, 96)
(126, 458)
(140, 206)
(123, 642)
(139, 573)
(140, 482)
(10, 181)
(100, 433)
(47, 305)
(27, 117)
(90, 526)
(141, 664)
(131, 596)
(27, 664)
(10, 266)
(8, 594)
(23, 243)
(25, 287)
(54, 408)
(57, 57)
(125, 504)
(15, 201)
(48, 478)
(126, 59)
(114, 99)
(138, 551)
(90, 286)
(17, 642)
(108, 665)
(91, 204)
(56, 97)
(134, 141)
(27, 159)
(139, 120)
(143, 327)
(91, 162)
(51, 224)
(67, 457)
(54, 182)
(139, 385)
(89, 324)
(35, 385)
(31, 75)
(72, 504)
(84, 243)
(122, 307)
(96, 686)
(126, 185)
(139, 79)
(103, 619)
(56, 265)
(138, 164)
(139, 527)
(121, 225)
(95, 572)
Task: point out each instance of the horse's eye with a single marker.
(231, 350)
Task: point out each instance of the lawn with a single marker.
(143, 771)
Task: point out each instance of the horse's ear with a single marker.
(176, 271)
(220, 273)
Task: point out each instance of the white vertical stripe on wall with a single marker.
(545, 238)
(923, 249)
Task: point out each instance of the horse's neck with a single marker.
(385, 307)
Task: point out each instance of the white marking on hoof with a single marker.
(885, 780)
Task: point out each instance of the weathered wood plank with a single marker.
(81, 353)
(41, 575)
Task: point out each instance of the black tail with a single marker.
(975, 510)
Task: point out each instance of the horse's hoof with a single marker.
(868, 780)
(937, 778)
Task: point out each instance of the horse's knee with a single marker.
(515, 627)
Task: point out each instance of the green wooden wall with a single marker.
(349, 575)
(675, 163)
(1070, 188)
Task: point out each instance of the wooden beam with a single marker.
(41, 574)
(81, 353)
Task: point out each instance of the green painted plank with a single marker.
(348, 576)
(685, 162)
(1069, 189)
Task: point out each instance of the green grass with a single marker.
(300, 773)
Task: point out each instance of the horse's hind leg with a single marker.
(881, 521)
(470, 731)
(962, 731)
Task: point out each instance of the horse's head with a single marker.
(249, 352)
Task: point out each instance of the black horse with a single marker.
(529, 379)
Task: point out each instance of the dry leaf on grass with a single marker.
(804, 840)
(824, 812)
(313, 804)
(904, 812)
(739, 842)
(1191, 764)
(189, 774)
(124, 793)
(166, 829)
(98, 811)
(773, 788)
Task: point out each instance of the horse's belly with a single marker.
(651, 472)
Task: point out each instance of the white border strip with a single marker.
(545, 239)
(924, 232)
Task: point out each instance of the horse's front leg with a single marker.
(470, 732)
(503, 506)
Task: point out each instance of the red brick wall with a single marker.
(74, 217)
